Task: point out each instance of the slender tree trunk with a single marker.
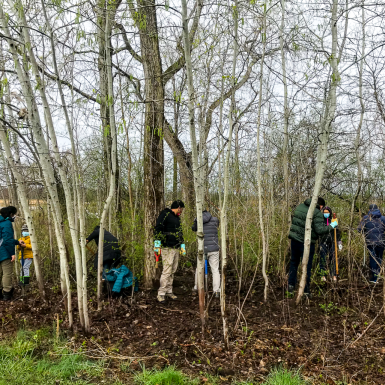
(110, 9)
(197, 166)
(260, 207)
(326, 123)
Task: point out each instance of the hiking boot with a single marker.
(7, 295)
(323, 279)
(194, 291)
(218, 294)
(290, 288)
(334, 279)
(308, 295)
(161, 298)
(373, 281)
(171, 296)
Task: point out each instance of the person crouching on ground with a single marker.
(327, 247)
(168, 236)
(211, 249)
(297, 236)
(7, 250)
(373, 228)
(111, 249)
(25, 256)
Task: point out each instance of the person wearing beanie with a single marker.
(25, 256)
(297, 236)
(168, 240)
(7, 251)
(327, 247)
(372, 227)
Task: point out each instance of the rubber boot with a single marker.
(7, 295)
(26, 283)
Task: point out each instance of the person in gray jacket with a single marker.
(211, 249)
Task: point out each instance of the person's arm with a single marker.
(159, 226)
(28, 245)
(93, 235)
(318, 225)
(195, 225)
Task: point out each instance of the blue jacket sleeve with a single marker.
(8, 238)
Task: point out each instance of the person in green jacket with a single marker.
(297, 236)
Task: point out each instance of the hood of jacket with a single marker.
(375, 213)
(2, 219)
(308, 201)
(206, 216)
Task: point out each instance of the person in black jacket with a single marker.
(327, 247)
(111, 249)
(211, 249)
(168, 236)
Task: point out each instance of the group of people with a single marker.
(7, 253)
(169, 243)
(325, 230)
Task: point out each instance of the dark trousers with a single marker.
(327, 259)
(296, 257)
(376, 252)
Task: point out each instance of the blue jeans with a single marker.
(376, 252)
(296, 256)
(327, 251)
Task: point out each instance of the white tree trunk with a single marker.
(43, 152)
(331, 105)
(77, 202)
(260, 207)
(197, 166)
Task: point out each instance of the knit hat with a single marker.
(373, 207)
(24, 227)
(321, 201)
(177, 204)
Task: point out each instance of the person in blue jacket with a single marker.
(373, 228)
(7, 250)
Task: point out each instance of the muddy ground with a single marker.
(338, 335)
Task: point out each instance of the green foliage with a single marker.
(37, 358)
(281, 376)
(168, 376)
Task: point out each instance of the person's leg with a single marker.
(214, 266)
(377, 261)
(167, 261)
(7, 275)
(332, 260)
(1, 278)
(27, 266)
(309, 266)
(322, 259)
(175, 261)
(372, 262)
(296, 255)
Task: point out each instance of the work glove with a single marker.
(340, 247)
(183, 249)
(157, 246)
(334, 224)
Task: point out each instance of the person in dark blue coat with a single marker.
(211, 249)
(373, 228)
(7, 250)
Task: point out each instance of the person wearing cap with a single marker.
(25, 256)
(168, 237)
(372, 227)
(297, 236)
